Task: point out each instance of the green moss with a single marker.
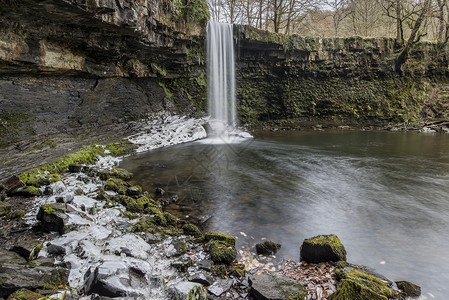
(35, 252)
(367, 281)
(323, 248)
(222, 253)
(237, 272)
(218, 236)
(115, 173)
(190, 229)
(120, 148)
(5, 209)
(116, 185)
(15, 214)
(38, 179)
(171, 219)
(145, 225)
(350, 289)
(409, 289)
(24, 294)
(48, 209)
(171, 232)
(267, 248)
(28, 191)
(131, 204)
(220, 271)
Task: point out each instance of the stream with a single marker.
(385, 194)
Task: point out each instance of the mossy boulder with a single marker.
(267, 248)
(323, 248)
(409, 289)
(218, 236)
(190, 229)
(276, 286)
(115, 173)
(350, 289)
(170, 219)
(134, 191)
(24, 294)
(364, 283)
(131, 204)
(116, 185)
(28, 191)
(53, 218)
(38, 179)
(222, 253)
(145, 225)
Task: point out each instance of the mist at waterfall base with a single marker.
(221, 86)
(385, 194)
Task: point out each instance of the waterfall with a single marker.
(221, 74)
(221, 85)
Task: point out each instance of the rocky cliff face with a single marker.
(340, 80)
(74, 65)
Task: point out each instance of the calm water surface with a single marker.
(386, 195)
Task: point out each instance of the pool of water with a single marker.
(385, 194)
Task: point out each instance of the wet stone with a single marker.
(24, 247)
(182, 264)
(267, 248)
(205, 265)
(55, 249)
(203, 278)
(187, 291)
(274, 286)
(10, 257)
(220, 286)
(409, 289)
(13, 183)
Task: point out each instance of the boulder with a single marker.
(202, 277)
(98, 284)
(272, 286)
(28, 191)
(52, 217)
(16, 277)
(222, 253)
(182, 264)
(356, 284)
(75, 168)
(13, 183)
(218, 236)
(409, 289)
(323, 248)
(53, 249)
(24, 294)
(10, 257)
(190, 229)
(27, 248)
(267, 248)
(187, 291)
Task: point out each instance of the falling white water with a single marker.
(221, 83)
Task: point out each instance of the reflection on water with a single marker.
(386, 195)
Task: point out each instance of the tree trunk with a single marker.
(411, 40)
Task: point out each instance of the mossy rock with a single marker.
(134, 191)
(218, 236)
(15, 214)
(190, 229)
(131, 204)
(409, 289)
(237, 272)
(350, 289)
(267, 248)
(116, 185)
(38, 179)
(24, 294)
(323, 248)
(170, 219)
(220, 270)
(5, 208)
(120, 148)
(28, 191)
(115, 173)
(222, 253)
(145, 225)
(171, 231)
(367, 281)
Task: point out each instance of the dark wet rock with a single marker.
(190, 229)
(182, 264)
(28, 191)
(5, 208)
(160, 192)
(218, 236)
(15, 277)
(219, 287)
(409, 289)
(53, 249)
(52, 217)
(27, 248)
(222, 253)
(13, 183)
(273, 286)
(323, 248)
(24, 294)
(10, 257)
(202, 277)
(44, 262)
(267, 248)
(55, 188)
(75, 168)
(187, 291)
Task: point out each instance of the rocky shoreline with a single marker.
(76, 229)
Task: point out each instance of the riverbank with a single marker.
(106, 255)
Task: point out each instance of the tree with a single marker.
(366, 16)
(340, 12)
